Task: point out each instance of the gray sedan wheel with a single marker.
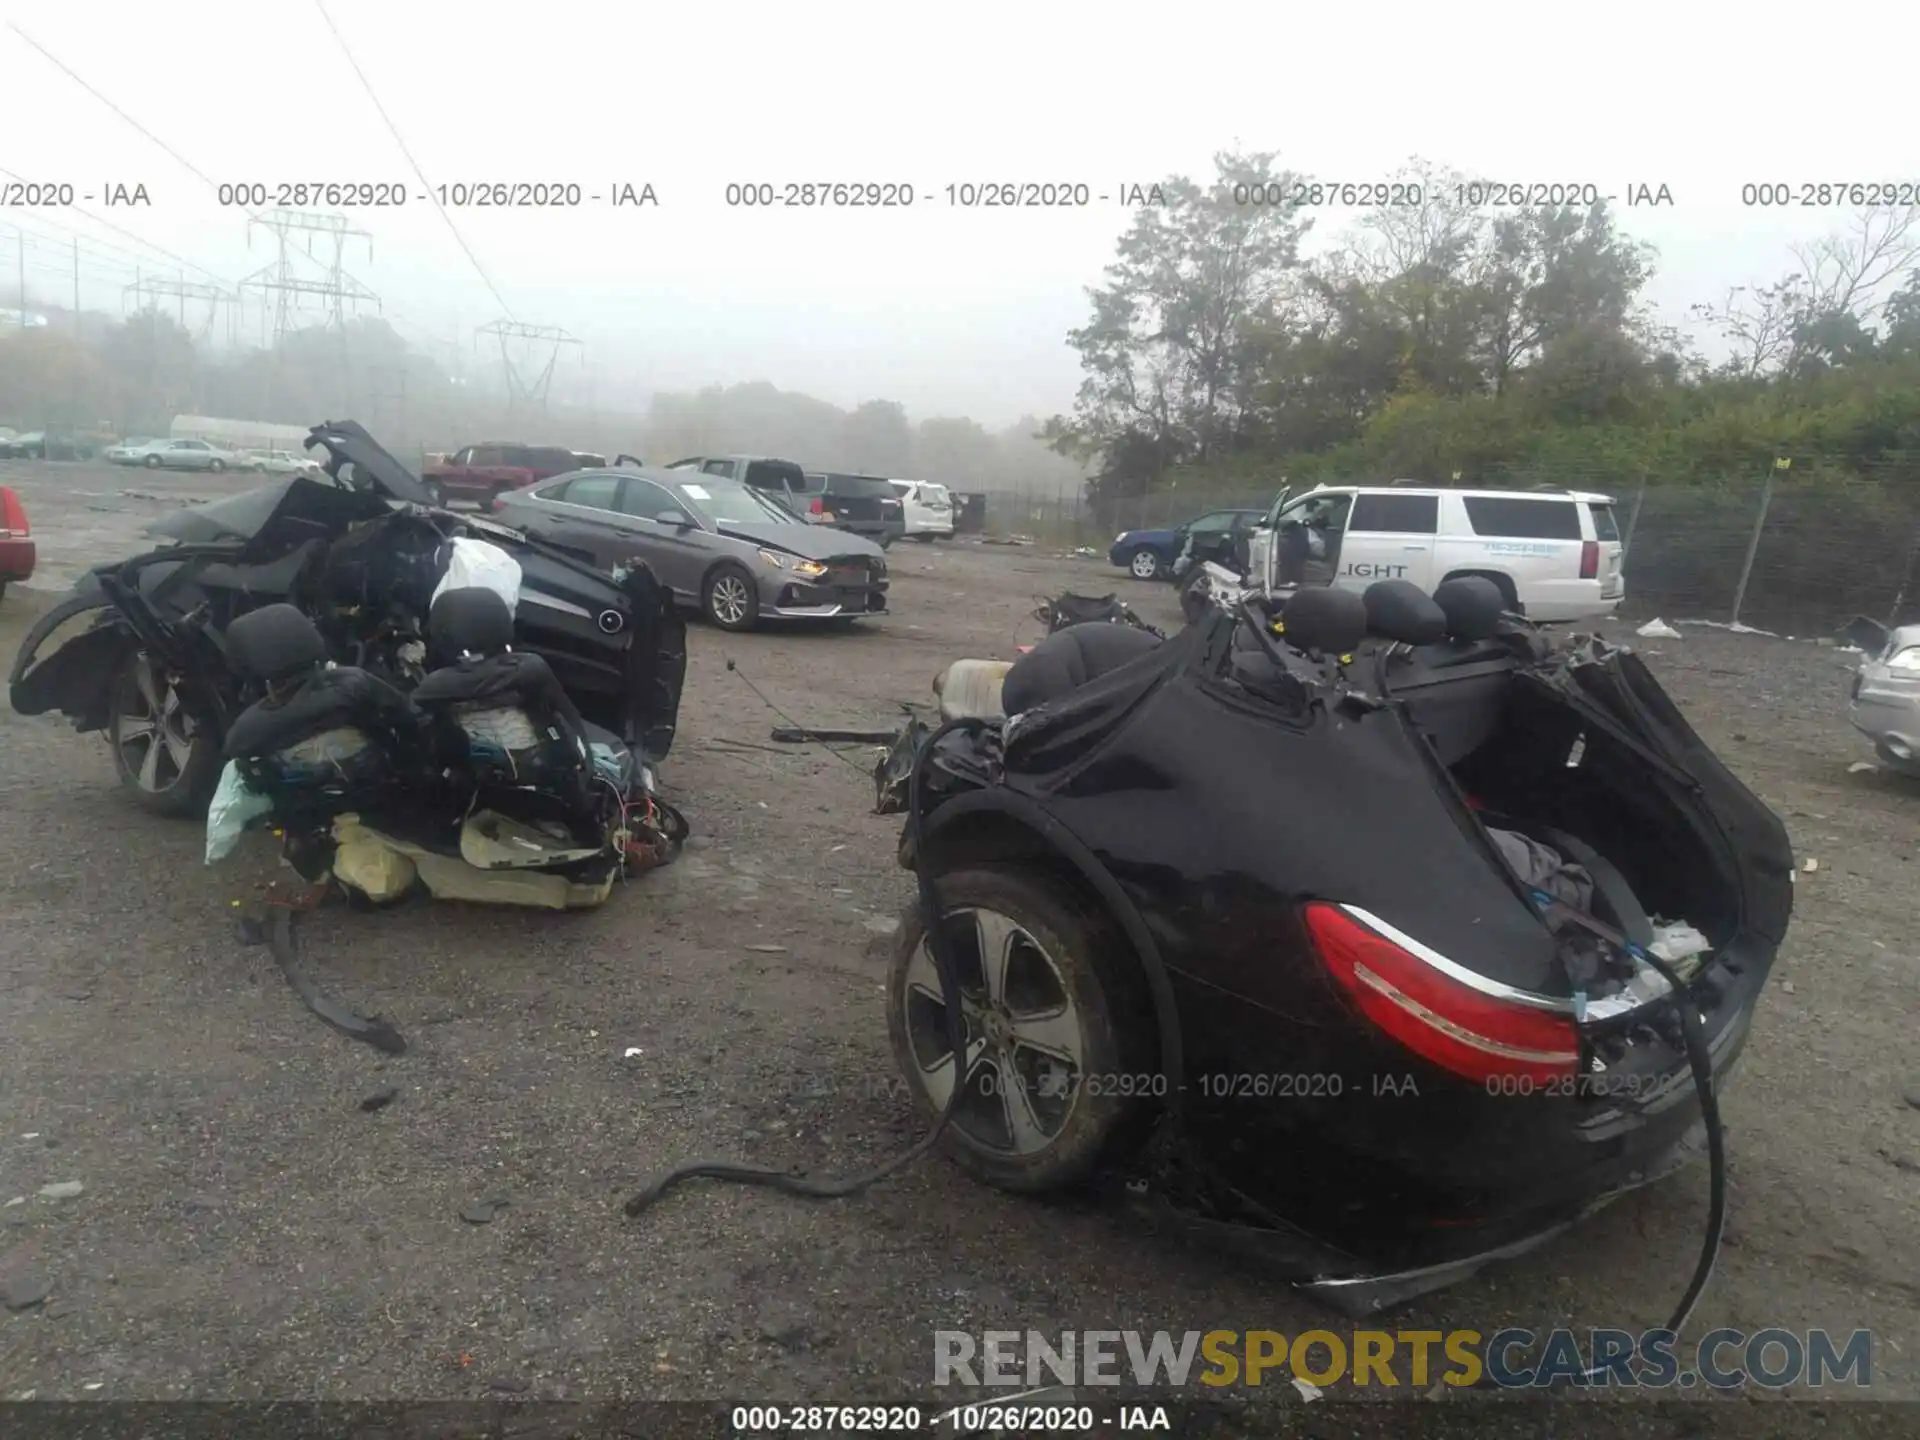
(731, 599)
(152, 462)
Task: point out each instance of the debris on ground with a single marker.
(485, 1212)
(768, 949)
(1658, 629)
(24, 1291)
(380, 1099)
(62, 1190)
(796, 735)
(1862, 767)
(1308, 1391)
(1811, 867)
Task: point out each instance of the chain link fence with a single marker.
(1796, 549)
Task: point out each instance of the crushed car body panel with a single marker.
(1227, 791)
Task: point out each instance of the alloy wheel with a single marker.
(1024, 1046)
(1145, 565)
(730, 600)
(152, 731)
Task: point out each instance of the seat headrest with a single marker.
(1473, 605)
(274, 642)
(472, 619)
(1325, 619)
(1400, 610)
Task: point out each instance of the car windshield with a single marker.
(727, 501)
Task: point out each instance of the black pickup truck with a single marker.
(864, 504)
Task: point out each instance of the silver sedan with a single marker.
(176, 455)
(729, 549)
(1885, 705)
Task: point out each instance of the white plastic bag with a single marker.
(482, 563)
(235, 806)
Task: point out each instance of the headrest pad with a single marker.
(472, 618)
(1473, 605)
(1400, 610)
(274, 642)
(1325, 619)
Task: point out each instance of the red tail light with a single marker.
(818, 507)
(13, 515)
(1435, 1009)
(499, 503)
(1589, 559)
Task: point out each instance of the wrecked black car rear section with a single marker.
(1397, 1061)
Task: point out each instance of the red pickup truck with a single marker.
(480, 472)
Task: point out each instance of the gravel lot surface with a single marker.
(246, 1229)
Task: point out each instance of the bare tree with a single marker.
(1849, 273)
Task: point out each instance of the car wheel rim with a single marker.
(153, 732)
(729, 600)
(1144, 564)
(1024, 1047)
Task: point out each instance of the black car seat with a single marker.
(326, 738)
(502, 716)
(1324, 619)
(1473, 606)
(1448, 664)
(1068, 659)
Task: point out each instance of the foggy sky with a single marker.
(948, 311)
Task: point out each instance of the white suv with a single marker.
(928, 508)
(1555, 554)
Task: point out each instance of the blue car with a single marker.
(1149, 554)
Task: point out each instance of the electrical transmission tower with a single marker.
(281, 286)
(522, 394)
(150, 290)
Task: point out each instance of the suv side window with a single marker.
(1329, 511)
(487, 455)
(1382, 513)
(1513, 517)
(1218, 522)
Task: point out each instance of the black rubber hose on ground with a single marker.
(956, 1037)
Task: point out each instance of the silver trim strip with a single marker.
(1607, 1008)
(565, 606)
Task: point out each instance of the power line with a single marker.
(177, 156)
(122, 230)
(419, 174)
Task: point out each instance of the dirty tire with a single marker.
(152, 462)
(1144, 565)
(217, 466)
(189, 786)
(1108, 1011)
(730, 599)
